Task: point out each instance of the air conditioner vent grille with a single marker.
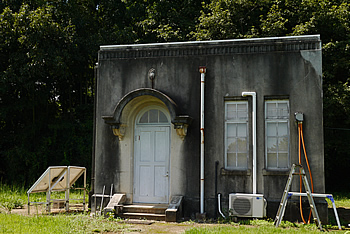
(242, 206)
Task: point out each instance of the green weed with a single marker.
(256, 226)
(341, 200)
(13, 197)
(12, 223)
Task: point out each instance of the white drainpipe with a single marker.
(202, 70)
(253, 94)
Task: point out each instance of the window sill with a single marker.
(227, 172)
(269, 172)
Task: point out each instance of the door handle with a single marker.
(166, 175)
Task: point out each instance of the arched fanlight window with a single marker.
(153, 116)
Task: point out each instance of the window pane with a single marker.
(153, 116)
(242, 111)
(283, 110)
(271, 110)
(271, 144)
(231, 111)
(271, 129)
(283, 160)
(242, 160)
(282, 129)
(231, 145)
(144, 118)
(231, 159)
(242, 130)
(271, 160)
(242, 145)
(162, 117)
(283, 144)
(231, 130)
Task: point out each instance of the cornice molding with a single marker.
(288, 44)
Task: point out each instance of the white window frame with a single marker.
(153, 107)
(277, 120)
(245, 121)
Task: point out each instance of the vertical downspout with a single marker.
(202, 70)
(253, 94)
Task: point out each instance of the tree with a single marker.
(138, 21)
(331, 20)
(41, 80)
(223, 19)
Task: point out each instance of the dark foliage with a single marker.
(48, 50)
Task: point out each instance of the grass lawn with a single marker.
(341, 200)
(257, 226)
(62, 223)
(83, 223)
(12, 197)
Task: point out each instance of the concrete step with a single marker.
(147, 216)
(145, 208)
(144, 211)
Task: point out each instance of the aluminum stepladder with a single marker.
(282, 206)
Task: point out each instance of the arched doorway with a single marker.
(151, 155)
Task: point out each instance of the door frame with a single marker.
(137, 128)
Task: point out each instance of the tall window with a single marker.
(277, 134)
(236, 135)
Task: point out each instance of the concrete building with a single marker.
(147, 132)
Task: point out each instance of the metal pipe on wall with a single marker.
(202, 70)
(253, 94)
(216, 187)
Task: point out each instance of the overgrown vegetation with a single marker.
(341, 200)
(48, 50)
(12, 197)
(81, 223)
(254, 226)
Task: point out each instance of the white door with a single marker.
(151, 167)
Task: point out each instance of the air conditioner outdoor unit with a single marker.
(247, 205)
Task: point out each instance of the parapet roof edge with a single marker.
(213, 42)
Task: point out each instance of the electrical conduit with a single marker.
(253, 94)
(301, 139)
(219, 206)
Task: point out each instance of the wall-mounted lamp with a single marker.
(152, 74)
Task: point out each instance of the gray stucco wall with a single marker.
(287, 67)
